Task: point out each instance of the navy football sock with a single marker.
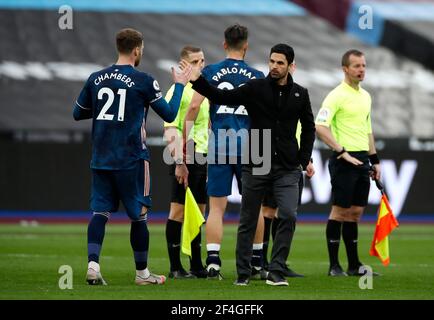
(139, 239)
(95, 235)
(257, 260)
(213, 258)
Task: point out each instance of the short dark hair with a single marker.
(127, 39)
(284, 49)
(236, 36)
(187, 50)
(346, 57)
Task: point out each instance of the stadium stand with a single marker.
(51, 64)
(334, 11)
(405, 27)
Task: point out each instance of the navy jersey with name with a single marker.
(118, 98)
(229, 74)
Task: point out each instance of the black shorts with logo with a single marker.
(350, 183)
(196, 182)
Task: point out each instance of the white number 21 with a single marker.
(103, 115)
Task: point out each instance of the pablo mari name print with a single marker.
(233, 70)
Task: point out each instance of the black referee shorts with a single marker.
(270, 201)
(350, 183)
(196, 182)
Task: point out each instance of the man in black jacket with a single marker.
(275, 105)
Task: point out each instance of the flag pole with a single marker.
(386, 222)
(379, 185)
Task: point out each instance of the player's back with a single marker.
(119, 97)
(229, 74)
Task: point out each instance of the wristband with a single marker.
(373, 159)
(341, 152)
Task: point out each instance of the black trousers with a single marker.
(285, 185)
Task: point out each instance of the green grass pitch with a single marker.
(30, 258)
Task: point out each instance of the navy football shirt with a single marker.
(117, 99)
(228, 74)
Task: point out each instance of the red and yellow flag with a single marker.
(386, 222)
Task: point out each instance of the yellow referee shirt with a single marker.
(199, 132)
(347, 112)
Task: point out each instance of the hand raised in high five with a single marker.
(196, 69)
(183, 74)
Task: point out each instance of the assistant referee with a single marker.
(344, 124)
(193, 174)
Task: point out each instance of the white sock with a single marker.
(94, 266)
(258, 246)
(143, 273)
(213, 247)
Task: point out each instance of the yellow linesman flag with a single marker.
(193, 220)
(386, 222)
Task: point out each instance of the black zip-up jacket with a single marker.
(275, 107)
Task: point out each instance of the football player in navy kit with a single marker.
(229, 126)
(117, 99)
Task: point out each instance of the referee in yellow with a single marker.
(344, 124)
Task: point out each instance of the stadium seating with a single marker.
(405, 27)
(42, 67)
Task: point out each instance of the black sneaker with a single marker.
(276, 279)
(259, 274)
(181, 274)
(358, 272)
(289, 273)
(336, 271)
(242, 281)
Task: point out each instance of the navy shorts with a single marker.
(132, 187)
(350, 183)
(220, 178)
